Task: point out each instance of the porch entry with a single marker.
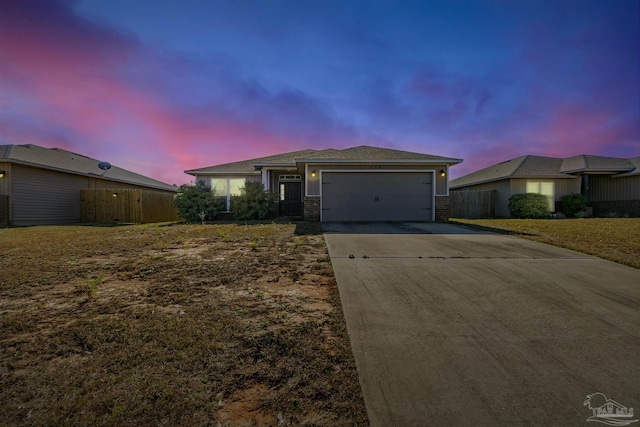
(291, 198)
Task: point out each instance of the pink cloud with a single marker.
(81, 85)
(69, 75)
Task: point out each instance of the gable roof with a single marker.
(77, 164)
(363, 153)
(545, 167)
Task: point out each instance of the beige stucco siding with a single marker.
(605, 188)
(313, 183)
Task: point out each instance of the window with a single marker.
(290, 177)
(544, 188)
(225, 188)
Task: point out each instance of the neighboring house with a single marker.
(355, 184)
(42, 185)
(610, 184)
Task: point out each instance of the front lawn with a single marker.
(177, 325)
(615, 239)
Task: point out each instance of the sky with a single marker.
(163, 86)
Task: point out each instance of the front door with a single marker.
(291, 198)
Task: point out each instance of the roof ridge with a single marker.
(4, 151)
(524, 158)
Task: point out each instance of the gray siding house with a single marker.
(356, 184)
(610, 184)
(41, 186)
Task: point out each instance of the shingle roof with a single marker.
(520, 167)
(249, 165)
(587, 163)
(544, 167)
(361, 153)
(635, 161)
(66, 161)
(366, 152)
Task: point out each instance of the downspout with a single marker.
(584, 186)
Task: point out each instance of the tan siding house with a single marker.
(609, 184)
(502, 190)
(356, 184)
(613, 188)
(42, 186)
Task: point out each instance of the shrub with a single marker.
(572, 204)
(254, 202)
(196, 203)
(529, 205)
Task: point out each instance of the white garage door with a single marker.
(377, 196)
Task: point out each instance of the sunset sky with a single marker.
(160, 86)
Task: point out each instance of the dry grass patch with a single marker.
(615, 239)
(172, 325)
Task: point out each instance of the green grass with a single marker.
(178, 325)
(614, 239)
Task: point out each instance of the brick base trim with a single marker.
(443, 208)
(311, 208)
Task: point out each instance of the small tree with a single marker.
(253, 202)
(196, 203)
(572, 204)
(529, 205)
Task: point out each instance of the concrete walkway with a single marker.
(453, 327)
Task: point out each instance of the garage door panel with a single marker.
(377, 196)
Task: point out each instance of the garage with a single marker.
(377, 196)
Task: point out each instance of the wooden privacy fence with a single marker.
(473, 204)
(126, 205)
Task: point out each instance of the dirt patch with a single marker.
(173, 325)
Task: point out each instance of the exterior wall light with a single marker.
(443, 173)
(115, 194)
(313, 174)
(2, 174)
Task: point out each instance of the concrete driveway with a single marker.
(452, 326)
